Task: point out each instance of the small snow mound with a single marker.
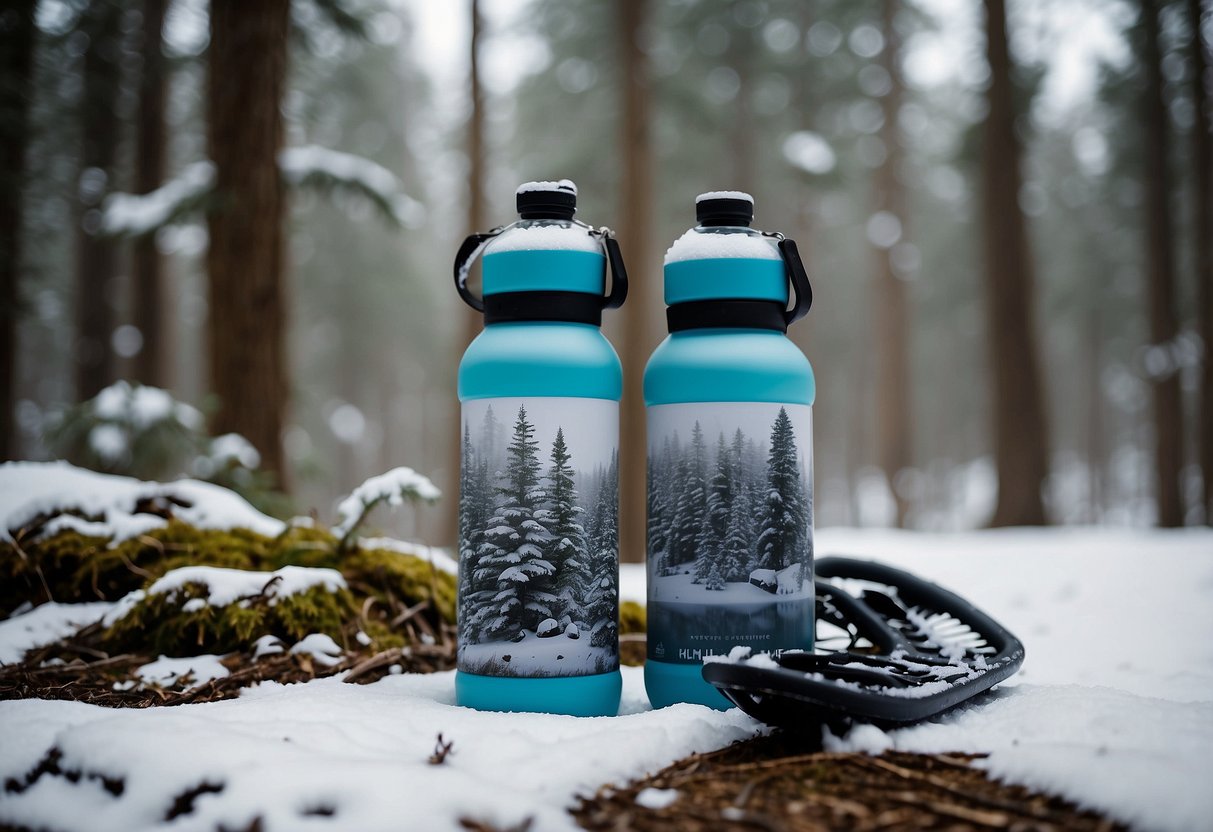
(566, 185)
(764, 579)
(166, 672)
(44, 624)
(548, 628)
(267, 645)
(651, 798)
(572, 632)
(227, 586)
(30, 489)
(742, 195)
(321, 648)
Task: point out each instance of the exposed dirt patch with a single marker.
(776, 783)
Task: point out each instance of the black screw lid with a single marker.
(724, 208)
(547, 200)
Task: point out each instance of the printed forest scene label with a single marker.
(539, 537)
(730, 528)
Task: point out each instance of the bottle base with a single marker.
(596, 695)
(668, 684)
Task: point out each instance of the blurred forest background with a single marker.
(1007, 212)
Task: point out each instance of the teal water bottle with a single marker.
(730, 458)
(538, 586)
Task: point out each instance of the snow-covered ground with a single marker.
(288, 753)
(1113, 709)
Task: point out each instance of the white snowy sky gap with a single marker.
(591, 426)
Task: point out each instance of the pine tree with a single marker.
(661, 502)
(784, 517)
(707, 560)
(714, 580)
(692, 503)
(654, 510)
(489, 429)
(735, 549)
(720, 492)
(601, 602)
(568, 551)
(470, 525)
(737, 450)
(512, 572)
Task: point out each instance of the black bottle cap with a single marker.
(547, 200)
(724, 208)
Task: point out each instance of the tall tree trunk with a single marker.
(1160, 278)
(473, 321)
(1202, 171)
(246, 332)
(635, 238)
(95, 256)
(1020, 439)
(894, 434)
(16, 74)
(151, 362)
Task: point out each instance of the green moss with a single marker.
(631, 617)
(385, 574)
(158, 624)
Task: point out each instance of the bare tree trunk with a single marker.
(1202, 171)
(635, 236)
(245, 261)
(16, 71)
(95, 256)
(1020, 439)
(473, 321)
(1160, 277)
(894, 432)
(146, 271)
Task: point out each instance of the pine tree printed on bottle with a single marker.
(730, 528)
(538, 537)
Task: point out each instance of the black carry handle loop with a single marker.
(619, 272)
(475, 243)
(463, 265)
(802, 292)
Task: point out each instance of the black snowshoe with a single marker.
(891, 649)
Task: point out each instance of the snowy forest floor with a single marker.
(1109, 723)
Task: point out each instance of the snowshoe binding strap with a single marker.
(892, 649)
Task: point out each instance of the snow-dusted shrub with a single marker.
(203, 609)
(141, 431)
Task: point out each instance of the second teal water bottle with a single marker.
(730, 456)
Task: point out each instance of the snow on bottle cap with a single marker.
(547, 200)
(742, 195)
(724, 208)
(561, 185)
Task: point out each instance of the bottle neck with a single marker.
(548, 306)
(726, 314)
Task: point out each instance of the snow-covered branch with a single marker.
(393, 488)
(136, 215)
(320, 167)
